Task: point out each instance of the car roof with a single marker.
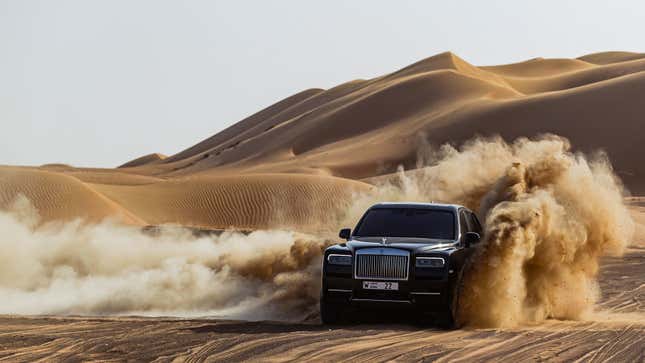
(432, 205)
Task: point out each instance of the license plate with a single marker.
(380, 285)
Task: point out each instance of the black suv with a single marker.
(400, 255)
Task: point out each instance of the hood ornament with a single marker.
(383, 240)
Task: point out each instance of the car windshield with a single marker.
(407, 222)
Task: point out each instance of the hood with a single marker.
(414, 245)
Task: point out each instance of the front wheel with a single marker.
(450, 318)
(329, 313)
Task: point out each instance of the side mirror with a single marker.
(345, 233)
(471, 238)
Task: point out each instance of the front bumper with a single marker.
(427, 293)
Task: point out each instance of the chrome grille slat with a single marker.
(382, 263)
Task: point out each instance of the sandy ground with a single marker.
(615, 334)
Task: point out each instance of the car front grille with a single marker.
(387, 264)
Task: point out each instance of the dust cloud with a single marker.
(77, 268)
(549, 216)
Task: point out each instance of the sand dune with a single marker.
(243, 126)
(611, 57)
(539, 67)
(58, 197)
(365, 128)
(244, 202)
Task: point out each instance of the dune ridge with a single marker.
(366, 128)
(144, 160)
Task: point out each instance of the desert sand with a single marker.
(295, 164)
(616, 334)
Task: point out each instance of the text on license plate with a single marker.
(380, 285)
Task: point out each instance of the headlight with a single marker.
(436, 262)
(340, 260)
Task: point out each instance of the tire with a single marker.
(330, 314)
(449, 320)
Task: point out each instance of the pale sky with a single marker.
(97, 83)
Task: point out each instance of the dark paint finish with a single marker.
(428, 289)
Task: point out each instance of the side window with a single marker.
(474, 222)
(463, 222)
